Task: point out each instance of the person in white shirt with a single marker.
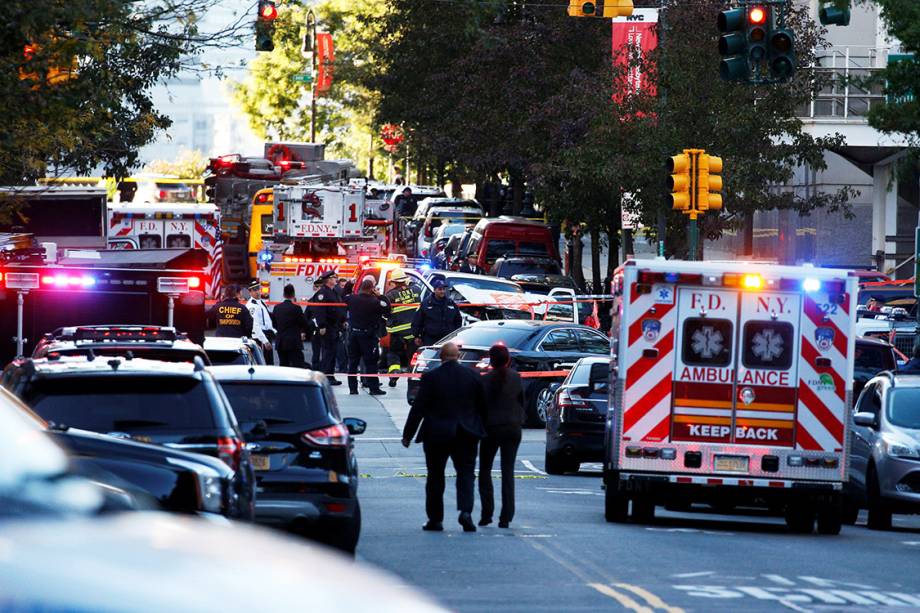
(263, 329)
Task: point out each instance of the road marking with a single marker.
(689, 531)
(911, 543)
(529, 465)
(650, 598)
(623, 599)
(699, 574)
(779, 579)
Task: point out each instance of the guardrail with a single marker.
(845, 98)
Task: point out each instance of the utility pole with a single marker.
(311, 32)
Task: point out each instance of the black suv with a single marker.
(576, 418)
(302, 451)
(174, 404)
(149, 342)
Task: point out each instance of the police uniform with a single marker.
(436, 319)
(263, 328)
(364, 315)
(233, 318)
(331, 319)
(403, 301)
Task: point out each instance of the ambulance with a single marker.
(731, 385)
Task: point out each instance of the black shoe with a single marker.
(334, 381)
(377, 392)
(504, 524)
(467, 522)
(393, 382)
(433, 526)
(485, 521)
(353, 392)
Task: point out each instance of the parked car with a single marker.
(174, 404)
(872, 357)
(302, 451)
(446, 232)
(438, 216)
(576, 415)
(150, 342)
(227, 350)
(885, 449)
(534, 346)
(513, 266)
(498, 237)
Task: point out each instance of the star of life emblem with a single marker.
(767, 345)
(651, 328)
(824, 338)
(707, 342)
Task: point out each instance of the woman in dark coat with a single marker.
(503, 420)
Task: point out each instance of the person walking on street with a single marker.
(404, 303)
(233, 318)
(437, 317)
(263, 329)
(447, 414)
(364, 312)
(329, 320)
(292, 325)
(503, 422)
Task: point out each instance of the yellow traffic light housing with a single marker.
(607, 9)
(582, 8)
(618, 8)
(679, 182)
(709, 183)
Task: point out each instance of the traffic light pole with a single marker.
(693, 231)
(311, 28)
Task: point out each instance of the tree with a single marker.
(76, 77)
(189, 164)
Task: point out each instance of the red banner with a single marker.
(325, 60)
(637, 34)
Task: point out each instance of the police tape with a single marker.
(580, 299)
(527, 374)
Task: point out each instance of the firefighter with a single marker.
(365, 310)
(233, 318)
(437, 317)
(329, 320)
(404, 301)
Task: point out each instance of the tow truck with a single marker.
(731, 384)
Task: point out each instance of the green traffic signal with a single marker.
(831, 15)
(782, 53)
(733, 45)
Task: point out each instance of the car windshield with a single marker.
(451, 229)
(904, 408)
(486, 336)
(148, 353)
(498, 248)
(533, 248)
(486, 284)
(871, 360)
(537, 267)
(278, 404)
(221, 357)
(122, 403)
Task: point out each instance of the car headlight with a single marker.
(211, 491)
(898, 447)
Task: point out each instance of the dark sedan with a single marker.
(535, 346)
(576, 417)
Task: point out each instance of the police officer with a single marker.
(365, 310)
(233, 318)
(342, 347)
(316, 341)
(329, 320)
(263, 328)
(437, 317)
(403, 300)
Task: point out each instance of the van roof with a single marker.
(510, 221)
(660, 264)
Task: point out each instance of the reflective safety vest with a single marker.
(403, 305)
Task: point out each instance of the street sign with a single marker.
(172, 285)
(302, 78)
(22, 280)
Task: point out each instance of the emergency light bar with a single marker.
(64, 281)
(292, 260)
(746, 281)
(124, 333)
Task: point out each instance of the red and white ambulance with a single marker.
(732, 385)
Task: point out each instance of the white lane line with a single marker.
(379, 439)
(529, 465)
(698, 574)
(779, 579)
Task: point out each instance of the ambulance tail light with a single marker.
(194, 282)
(65, 281)
(162, 194)
(751, 281)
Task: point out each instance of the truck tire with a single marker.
(879, 512)
(616, 505)
(830, 518)
(643, 510)
(850, 512)
(800, 518)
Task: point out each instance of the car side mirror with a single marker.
(599, 387)
(865, 419)
(554, 386)
(355, 426)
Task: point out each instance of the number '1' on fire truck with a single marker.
(732, 385)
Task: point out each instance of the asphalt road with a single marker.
(560, 554)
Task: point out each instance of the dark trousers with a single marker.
(506, 441)
(362, 348)
(291, 357)
(398, 352)
(342, 351)
(328, 342)
(267, 350)
(316, 346)
(462, 450)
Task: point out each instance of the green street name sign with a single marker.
(302, 78)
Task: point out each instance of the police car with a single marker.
(150, 342)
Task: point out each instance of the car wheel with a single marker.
(555, 465)
(850, 512)
(879, 512)
(800, 518)
(347, 541)
(616, 505)
(830, 518)
(643, 510)
(537, 408)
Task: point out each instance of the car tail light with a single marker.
(414, 360)
(230, 450)
(564, 400)
(331, 436)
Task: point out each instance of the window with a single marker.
(768, 345)
(869, 401)
(592, 342)
(560, 340)
(219, 357)
(178, 241)
(277, 404)
(498, 248)
(486, 336)
(44, 216)
(267, 223)
(872, 359)
(532, 249)
(149, 241)
(904, 408)
(707, 342)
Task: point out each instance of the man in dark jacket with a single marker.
(437, 317)
(329, 320)
(316, 341)
(291, 324)
(233, 318)
(365, 310)
(449, 408)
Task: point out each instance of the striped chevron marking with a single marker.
(647, 390)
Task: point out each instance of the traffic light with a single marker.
(679, 181)
(832, 15)
(265, 25)
(618, 8)
(708, 183)
(210, 189)
(782, 53)
(581, 8)
(758, 22)
(733, 45)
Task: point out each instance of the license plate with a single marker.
(261, 462)
(732, 463)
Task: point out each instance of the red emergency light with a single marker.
(67, 281)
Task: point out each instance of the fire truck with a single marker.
(731, 384)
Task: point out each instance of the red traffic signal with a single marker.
(757, 15)
(267, 10)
